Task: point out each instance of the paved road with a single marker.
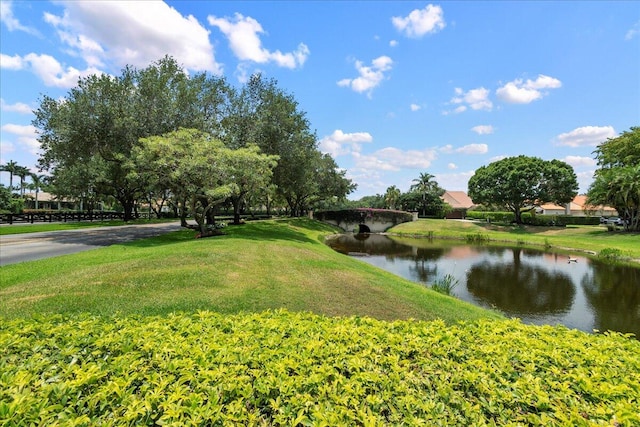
(31, 246)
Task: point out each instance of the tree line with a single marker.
(159, 134)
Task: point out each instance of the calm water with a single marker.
(536, 286)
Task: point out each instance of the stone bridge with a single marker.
(364, 220)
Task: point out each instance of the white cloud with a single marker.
(5, 148)
(420, 21)
(483, 129)
(585, 179)
(394, 159)
(11, 62)
(415, 107)
(370, 77)
(476, 99)
(525, 92)
(580, 161)
(586, 136)
(134, 33)
(339, 143)
(18, 107)
(454, 181)
(496, 158)
(452, 166)
(393, 43)
(243, 35)
(10, 21)
(473, 149)
(634, 31)
(27, 136)
(52, 73)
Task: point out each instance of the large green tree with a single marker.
(262, 113)
(199, 169)
(617, 180)
(522, 182)
(101, 120)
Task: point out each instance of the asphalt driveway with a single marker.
(16, 248)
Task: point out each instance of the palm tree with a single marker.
(37, 181)
(22, 172)
(392, 196)
(11, 167)
(425, 186)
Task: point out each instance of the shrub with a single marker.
(445, 285)
(476, 238)
(610, 254)
(301, 369)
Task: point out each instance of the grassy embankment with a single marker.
(589, 239)
(258, 266)
(118, 366)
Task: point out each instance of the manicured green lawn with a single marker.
(254, 267)
(584, 238)
(42, 226)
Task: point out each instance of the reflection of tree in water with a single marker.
(425, 270)
(614, 293)
(521, 288)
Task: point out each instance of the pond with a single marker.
(539, 287)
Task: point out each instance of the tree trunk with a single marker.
(518, 216)
(236, 202)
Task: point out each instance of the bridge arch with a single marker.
(364, 220)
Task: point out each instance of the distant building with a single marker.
(459, 201)
(48, 201)
(577, 207)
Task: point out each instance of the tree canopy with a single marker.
(617, 180)
(199, 169)
(522, 182)
(88, 137)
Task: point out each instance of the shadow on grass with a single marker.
(517, 229)
(270, 230)
(276, 230)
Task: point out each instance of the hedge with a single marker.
(533, 219)
(287, 369)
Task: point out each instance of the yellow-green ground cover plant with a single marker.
(287, 369)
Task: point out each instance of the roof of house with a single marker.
(457, 199)
(44, 197)
(578, 203)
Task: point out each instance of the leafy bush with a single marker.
(476, 238)
(491, 216)
(610, 254)
(533, 219)
(301, 369)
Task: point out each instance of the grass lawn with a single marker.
(258, 266)
(94, 339)
(58, 226)
(582, 238)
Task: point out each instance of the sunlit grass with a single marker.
(258, 266)
(584, 238)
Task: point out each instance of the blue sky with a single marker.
(392, 89)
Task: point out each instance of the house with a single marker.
(459, 201)
(577, 207)
(48, 201)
